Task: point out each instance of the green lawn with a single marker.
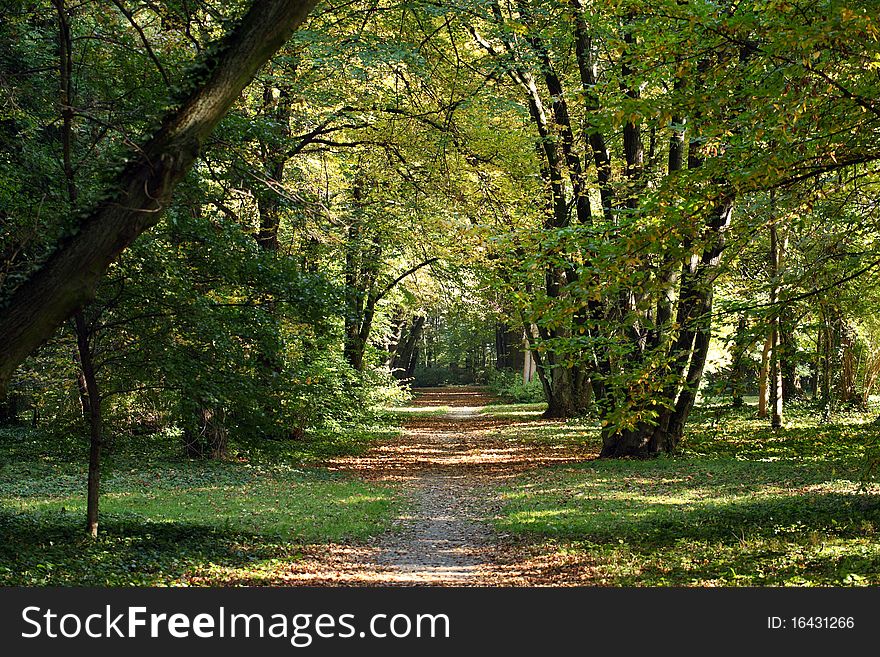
(514, 411)
(741, 505)
(165, 520)
(404, 412)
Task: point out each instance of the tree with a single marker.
(67, 278)
(649, 124)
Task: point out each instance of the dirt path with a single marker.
(444, 539)
(450, 464)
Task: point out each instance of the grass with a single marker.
(514, 411)
(174, 521)
(741, 505)
(404, 412)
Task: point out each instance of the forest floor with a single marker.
(470, 492)
(450, 458)
(496, 496)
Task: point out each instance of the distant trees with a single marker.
(819, 298)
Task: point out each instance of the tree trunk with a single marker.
(207, 436)
(90, 397)
(354, 293)
(67, 279)
(561, 404)
(764, 375)
(529, 368)
(570, 393)
(738, 362)
(406, 357)
(688, 395)
(688, 354)
(816, 365)
(397, 327)
(776, 400)
(509, 348)
(643, 441)
(848, 366)
(412, 363)
(94, 418)
(275, 159)
(829, 347)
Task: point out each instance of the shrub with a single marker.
(509, 386)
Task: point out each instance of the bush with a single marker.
(510, 387)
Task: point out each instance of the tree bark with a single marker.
(764, 376)
(561, 403)
(95, 434)
(738, 368)
(560, 162)
(206, 435)
(776, 396)
(642, 441)
(275, 157)
(406, 357)
(67, 279)
(687, 353)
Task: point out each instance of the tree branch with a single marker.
(408, 272)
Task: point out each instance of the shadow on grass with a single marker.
(165, 519)
(50, 549)
(702, 522)
(667, 500)
(728, 522)
(738, 433)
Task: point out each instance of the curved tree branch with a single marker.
(408, 272)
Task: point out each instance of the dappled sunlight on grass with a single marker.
(514, 410)
(741, 434)
(417, 411)
(163, 520)
(742, 505)
(581, 432)
(296, 506)
(49, 549)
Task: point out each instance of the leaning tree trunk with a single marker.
(67, 279)
(648, 439)
(398, 323)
